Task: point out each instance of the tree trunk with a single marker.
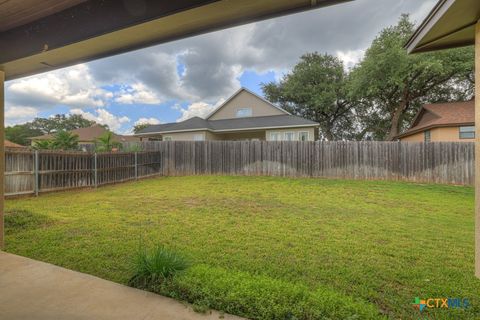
(328, 133)
(395, 124)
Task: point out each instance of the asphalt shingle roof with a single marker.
(230, 124)
(443, 114)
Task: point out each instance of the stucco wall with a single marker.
(246, 100)
(447, 134)
(310, 130)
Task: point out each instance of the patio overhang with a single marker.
(452, 24)
(42, 35)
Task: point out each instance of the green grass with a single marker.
(269, 248)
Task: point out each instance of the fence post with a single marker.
(35, 173)
(136, 165)
(95, 169)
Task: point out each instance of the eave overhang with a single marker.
(450, 24)
(99, 28)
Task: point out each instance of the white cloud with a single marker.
(73, 87)
(16, 115)
(102, 116)
(351, 57)
(137, 93)
(197, 109)
(147, 121)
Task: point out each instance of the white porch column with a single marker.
(477, 150)
(2, 156)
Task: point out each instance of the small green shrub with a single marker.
(152, 268)
(18, 220)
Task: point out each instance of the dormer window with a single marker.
(244, 112)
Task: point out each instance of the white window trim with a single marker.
(300, 134)
(238, 109)
(197, 135)
(278, 134)
(289, 132)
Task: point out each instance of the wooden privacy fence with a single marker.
(438, 162)
(32, 172)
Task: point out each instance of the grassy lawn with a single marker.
(269, 248)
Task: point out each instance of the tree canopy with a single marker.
(61, 122)
(316, 89)
(378, 98)
(21, 132)
(390, 85)
(139, 127)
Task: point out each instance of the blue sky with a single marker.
(190, 77)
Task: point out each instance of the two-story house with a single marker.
(244, 116)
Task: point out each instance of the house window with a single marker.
(427, 137)
(167, 138)
(198, 137)
(467, 132)
(275, 136)
(289, 136)
(303, 136)
(244, 112)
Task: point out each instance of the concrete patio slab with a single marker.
(31, 289)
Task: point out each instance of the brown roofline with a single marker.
(409, 133)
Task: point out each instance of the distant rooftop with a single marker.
(442, 115)
(89, 135)
(248, 123)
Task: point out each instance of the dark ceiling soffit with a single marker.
(26, 43)
(84, 21)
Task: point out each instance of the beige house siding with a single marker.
(242, 136)
(417, 137)
(189, 136)
(447, 134)
(245, 99)
(296, 131)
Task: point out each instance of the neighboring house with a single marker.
(244, 116)
(10, 144)
(453, 121)
(88, 136)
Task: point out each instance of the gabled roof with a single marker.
(226, 125)
(442, 115)
(88, 134)
(10, 144)
(236, 94)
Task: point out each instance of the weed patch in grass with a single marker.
(17, 220)
(153, 267)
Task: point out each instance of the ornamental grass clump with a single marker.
(154, 267)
